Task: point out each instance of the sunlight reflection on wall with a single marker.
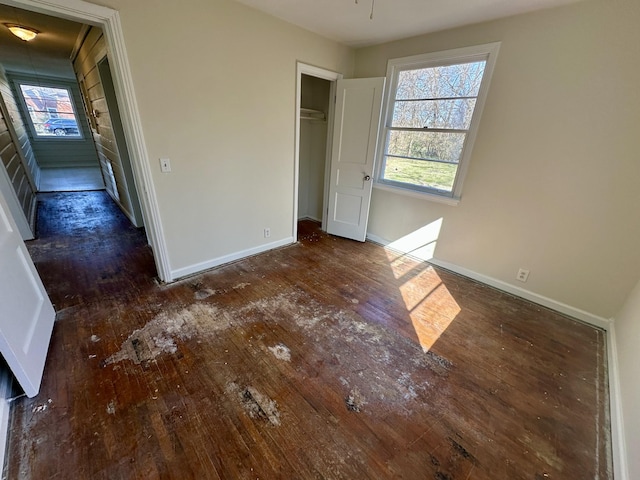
(429, 303)
(420, 243)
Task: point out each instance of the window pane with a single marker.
(443, 147)
(462, 80)
(420, 172)
(454, 114)
(51, 111)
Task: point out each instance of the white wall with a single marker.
(313, 152)
(215, 83)
(627, 326)
(553, 181)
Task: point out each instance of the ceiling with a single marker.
(349, 23)
(48, 54)
(344, 21)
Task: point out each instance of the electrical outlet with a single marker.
(523, 275)
(165, 165)
(267, 232)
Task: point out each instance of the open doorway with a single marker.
(108, 20)
(67, 110)
(44, 106)
(313, 147)
(314, 129)
(353, 120)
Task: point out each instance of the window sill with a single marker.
(61, 138)
(414, 194)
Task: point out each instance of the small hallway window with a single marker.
(432, 113)
(51, 111)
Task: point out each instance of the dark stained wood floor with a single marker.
(87, 251)
(329, 359)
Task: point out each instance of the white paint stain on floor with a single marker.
(281, 352)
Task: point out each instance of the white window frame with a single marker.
(61, 85)
(488, 52)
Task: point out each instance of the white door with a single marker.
(26, 313)
(355, 138)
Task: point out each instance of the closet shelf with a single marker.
(311, 114)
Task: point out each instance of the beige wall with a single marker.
(215, 84)
(553, 181)
(628, 337)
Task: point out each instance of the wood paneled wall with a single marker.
(16, 152)
(20, 128)
(119, 183)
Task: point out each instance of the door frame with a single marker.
(109, 20)
(113, 112)
(332, 77)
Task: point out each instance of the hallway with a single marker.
(86, 250)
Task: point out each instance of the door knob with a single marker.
(367, 178)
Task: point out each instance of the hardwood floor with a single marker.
(329, 359)
(87, 251)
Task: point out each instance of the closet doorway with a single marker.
(314, 129)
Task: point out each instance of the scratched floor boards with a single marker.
(329, 359)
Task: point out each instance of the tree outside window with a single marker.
(432, 116)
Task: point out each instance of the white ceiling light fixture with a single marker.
(373, 4)
(23, 33)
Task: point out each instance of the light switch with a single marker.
(165, 165)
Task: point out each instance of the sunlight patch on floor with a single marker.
(429, 303)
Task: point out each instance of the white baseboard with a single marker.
(376, 239)
(618, 444)
(216, 262)
(574, 312)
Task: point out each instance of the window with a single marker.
(433, 108)
(51, 112)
